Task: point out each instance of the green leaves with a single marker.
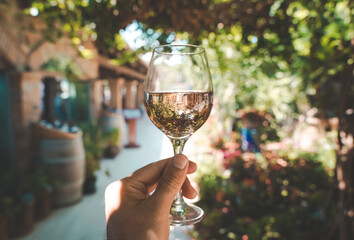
(250, 44)
(65, 65)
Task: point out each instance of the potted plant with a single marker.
(112, 149)
(24, 217)
(21, 222)
(94, 141)
(8, 208)
(3, 227)
(6, 211)
(42, 190)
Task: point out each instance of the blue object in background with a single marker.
(248, 142)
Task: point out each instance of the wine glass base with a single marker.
(190, 215)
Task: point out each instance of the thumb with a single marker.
(170, 182)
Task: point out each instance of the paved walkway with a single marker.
(85, 220)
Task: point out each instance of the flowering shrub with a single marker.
(277, 198)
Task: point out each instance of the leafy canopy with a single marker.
(298, 46)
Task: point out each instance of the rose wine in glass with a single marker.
(178, 100)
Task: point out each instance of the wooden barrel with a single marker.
(64, 163)
(116, 120)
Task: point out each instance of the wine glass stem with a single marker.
(178, 145)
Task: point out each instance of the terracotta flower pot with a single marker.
(43, 206)
(111, 152)
(23, 223)
(3, 228)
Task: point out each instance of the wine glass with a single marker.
(178, 100)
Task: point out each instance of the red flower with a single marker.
(249, 182)
(219, 196)
(276, 166)
(237, 153)
(225, 210)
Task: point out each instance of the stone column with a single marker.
(120, 86)
(96, 99)
(131, 93)
(131, 136)
(140, 94)
(131, 111)
(113, 87)
(116, 86)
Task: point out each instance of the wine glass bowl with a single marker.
(178, 68)
(178, 114)
(178, 100)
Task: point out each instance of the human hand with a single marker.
(133, 213)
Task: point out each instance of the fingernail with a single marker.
(179, 161)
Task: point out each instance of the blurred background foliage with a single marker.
(283, 198)
(258, 49)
